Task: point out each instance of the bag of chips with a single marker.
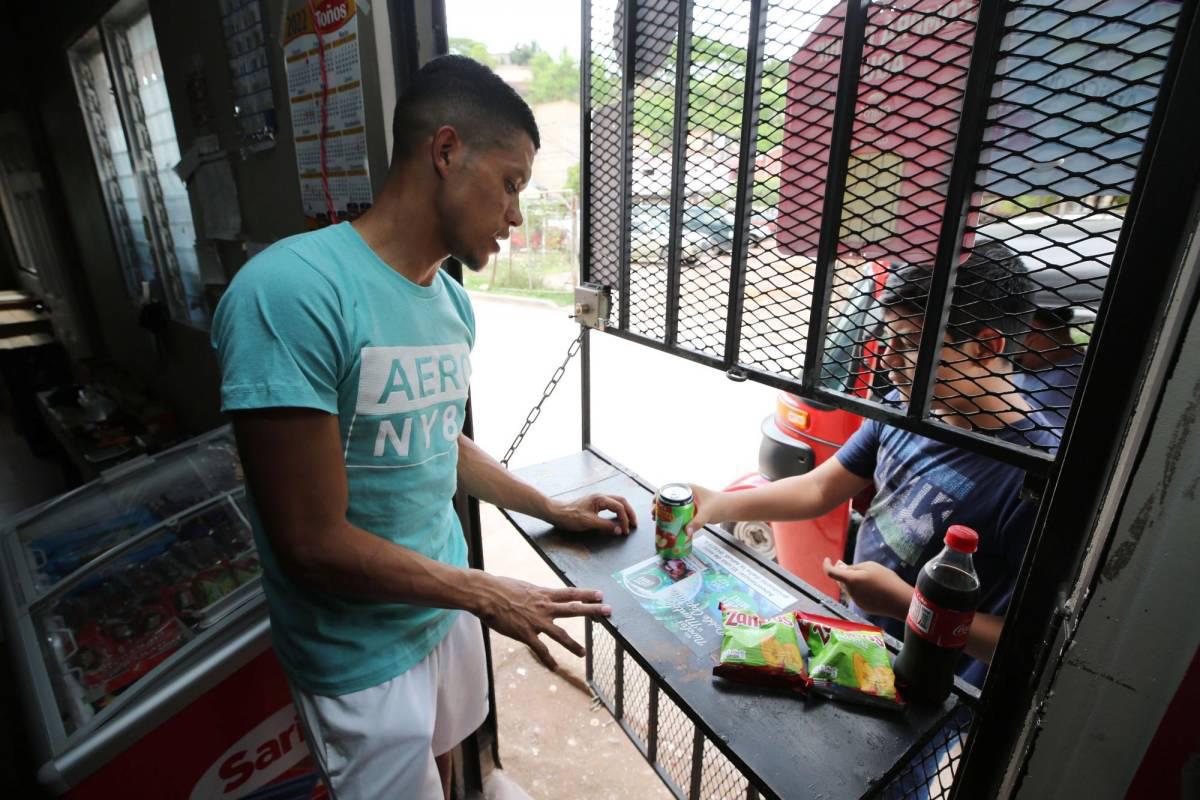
(849, 661)
(761, 651)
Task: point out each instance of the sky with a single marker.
(503, 24)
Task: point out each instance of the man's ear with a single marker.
(445, 149)
(989, 343)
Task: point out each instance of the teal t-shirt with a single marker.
(319, 321)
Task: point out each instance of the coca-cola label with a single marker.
(941, 626)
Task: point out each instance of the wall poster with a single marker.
(324, 76)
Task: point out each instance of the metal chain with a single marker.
(536, 411)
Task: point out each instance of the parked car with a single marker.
(1068, 261)
(705, 229)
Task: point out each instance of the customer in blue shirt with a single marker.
(923, 486)
(1050, 364)
(345, 360)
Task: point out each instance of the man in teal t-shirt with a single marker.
(345, 358)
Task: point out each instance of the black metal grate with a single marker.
(929, 774)
(716, 77)
(604, 142)
(781, 162)
(799, 86)
(650, 156)
(689, 764)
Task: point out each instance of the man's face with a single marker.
(959, 364)
(480, 198)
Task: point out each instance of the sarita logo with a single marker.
(273, 747)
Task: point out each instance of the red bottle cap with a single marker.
(962, 539)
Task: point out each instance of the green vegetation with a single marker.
(714, 96)
(472, 49)
(541, 276)
(553, 80)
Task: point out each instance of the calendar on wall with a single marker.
(324, 77)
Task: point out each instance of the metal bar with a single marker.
(697, 763)
(629, 81)
(589, 665)
(405, 49)
(690, 355)
(652, 725)
(585, 388)
(751, 98)
(585, 154)
(751, 792)
(1160, 221)
(1037, 462)
(854, 31)
(989, 28)
(679, 137)
(618, 680)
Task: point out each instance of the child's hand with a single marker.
(873, 587)
(708, 508)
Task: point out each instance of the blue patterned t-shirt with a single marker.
(925, 486)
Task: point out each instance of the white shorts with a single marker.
(380, 742)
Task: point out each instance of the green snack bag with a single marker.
(849, 661)
(761, 651)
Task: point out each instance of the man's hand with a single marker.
(873, 587)
(523, 611)
(584, 514)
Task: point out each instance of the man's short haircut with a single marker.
(462, 93)
(992, 290)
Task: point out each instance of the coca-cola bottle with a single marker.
(939, 617)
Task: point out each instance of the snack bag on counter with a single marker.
(849, 661)
(761, 651)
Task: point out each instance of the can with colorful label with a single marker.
(674, 508)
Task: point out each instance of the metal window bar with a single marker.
(871, 137)
(118, 217)
(141, 151)
(747, 150)
(679, 149)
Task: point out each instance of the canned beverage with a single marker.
(673, 510)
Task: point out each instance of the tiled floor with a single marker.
(24, 481)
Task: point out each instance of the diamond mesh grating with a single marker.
(930, 773)
(715, 98)
(605, 139)
(799, 85)
(650, 152)
(720, 779)
(676, 735)
(604, 665)
(910, 93)
(637, 702)
(1061, 105)
(1067, 119)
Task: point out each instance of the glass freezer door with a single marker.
(75, 529)
(107, 628)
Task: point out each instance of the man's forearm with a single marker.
(354, 562)
(486, 478)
